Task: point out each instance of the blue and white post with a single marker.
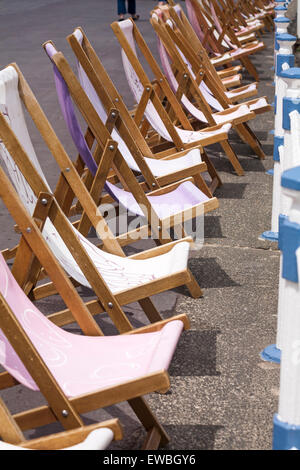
(280, 11)
(281, 27)
(289, 157)
(286, 430)
(284, 60)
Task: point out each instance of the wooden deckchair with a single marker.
(228, 76)
(192, 200)
(181, 32)
(104, 96)
(200, 73)
(75, 373)
(96, 436)
(227, 16)
(237, 52)
(129, 35)
(115, 279)
(181, 23)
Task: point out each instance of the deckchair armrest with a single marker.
(157, 326)
(169, 187)
(159, 250)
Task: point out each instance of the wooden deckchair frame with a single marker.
(201, 65)
(127, 126)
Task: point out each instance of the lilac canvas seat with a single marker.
(82, 364)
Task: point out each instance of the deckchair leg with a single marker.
(216, 181)
(152, 440)
(193, 287)
(10, 431)
(232, 157)
(150, 310)
(250, 68)
(149, 420)
(201, 184)
(247, 135)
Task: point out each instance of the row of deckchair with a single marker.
(149, 161)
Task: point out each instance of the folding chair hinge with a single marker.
(42, 208)
(111, 119)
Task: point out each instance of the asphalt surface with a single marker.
(222, 395)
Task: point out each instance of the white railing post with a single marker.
(286, 424)
(284, 60)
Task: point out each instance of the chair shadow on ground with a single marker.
(209, 275)
(196, 354)
(231, 191)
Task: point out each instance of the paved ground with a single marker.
(222, 396)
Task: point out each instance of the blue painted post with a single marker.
(286, 424)
(284, 60)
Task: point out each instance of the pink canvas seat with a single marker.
(82, 364)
